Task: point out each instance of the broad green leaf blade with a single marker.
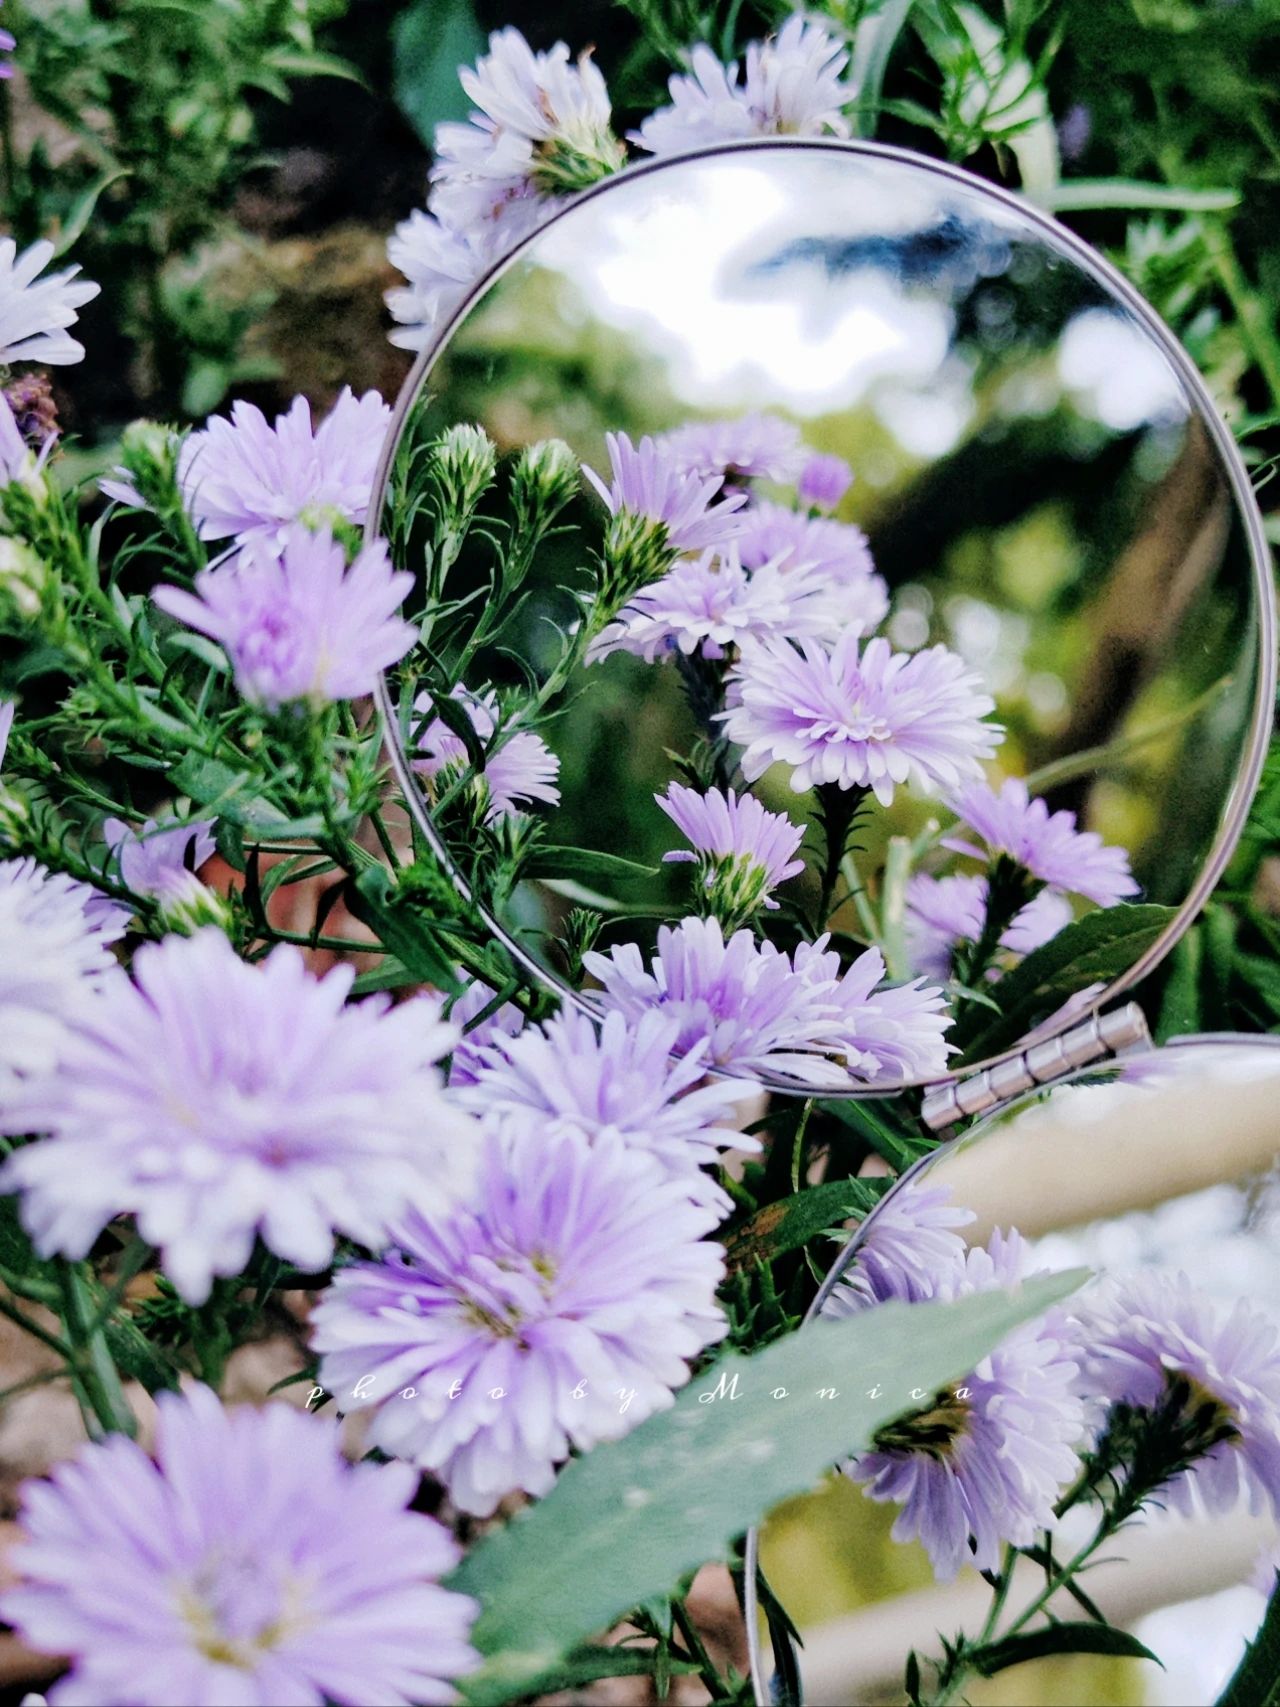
(1257, 1678)
(552, 861)
(1093, 950)
(376, 902)
(629, 1519)
(1057, 1639)
(1081, 195)
(787, 1225)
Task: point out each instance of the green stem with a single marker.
(97, 1378)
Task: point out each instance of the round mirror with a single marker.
(845, 614)
(1135, 1429)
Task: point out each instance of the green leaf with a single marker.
(557, 861)
(787, 1225)
(1077, 1638)
(631, 1518)
(16, 1252)
(1093, 950)
(876, 1128)
(134, 1355)
(429, 41)
(230, 794)
(590, 1663)
(1256, 1682)
(375, 901)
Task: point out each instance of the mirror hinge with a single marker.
(1044, 1064)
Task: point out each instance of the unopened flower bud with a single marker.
(465, 459)
(24, 579)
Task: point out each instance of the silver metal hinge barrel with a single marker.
(1044, 1063)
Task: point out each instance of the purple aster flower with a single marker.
(438, 264)
(161, 860)
(771, 533)
(249, 1563)
(871, 719)
(1048, 845)
(711, 604)
(793, 87)
(55, 937)
(758, 1010)
(558, 1310)
(618, 1078)
(945, 911)
(898, 1030)
(737, 843)
(246, 480)
(649, 482)
(520, 770)
(752, 447)
(823, 481)
(219, 1102)
(542, 127)
(35, 312)
(506, 1021)
(983, 1462)
(7, 45)
(906, 1249)
(160, 856)
(301, 623)
(1209, 1367)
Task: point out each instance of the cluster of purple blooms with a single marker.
(536, 1197)
(984, 1462)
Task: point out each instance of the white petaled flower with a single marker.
(855, 717)
(55, 937)
(650, 483)
(557, 1310)
(35, 311)
(439, 264)
(771, 533)
(541, 128)
(220, 1102)
(793, 86)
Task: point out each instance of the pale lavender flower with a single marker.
(542, 127)
(824, 480)
(250, 1563)
(871, 719)
(505, 1021)
(649, 482)
(220, 1101)
(439, 264)
(7, 45)
(35, 312)
(557, 1311)
(906, 1248)
(793, 86)
(896, 1031)
(982, 1463)
(942, 912)
(615, 1078)
(760, 1011)
(1150, 1339)
(55, 955)
(298, 622)
(1046, 844)
(523, 769)
(18, 462)
(735, 840)
(711, 604)
(246, 480)
(751, 447)
(771, 533)
(159, 857)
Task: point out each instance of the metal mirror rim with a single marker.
(1090, 262)
(760, 1683)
